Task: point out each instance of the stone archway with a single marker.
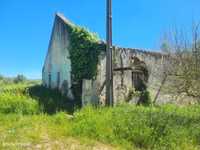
(130, 77)
(140, 74)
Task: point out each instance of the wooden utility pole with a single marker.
(109, 69)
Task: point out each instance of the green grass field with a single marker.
(32, 117)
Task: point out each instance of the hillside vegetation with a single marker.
(33, 117)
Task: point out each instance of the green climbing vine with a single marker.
(84, 52)
(85, 48)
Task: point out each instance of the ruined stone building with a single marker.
(134, 70)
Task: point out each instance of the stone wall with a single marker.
(124, 60)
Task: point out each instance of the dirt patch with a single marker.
(63, 144)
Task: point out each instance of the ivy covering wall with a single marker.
(85, 48)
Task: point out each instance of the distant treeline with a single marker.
(18, 79)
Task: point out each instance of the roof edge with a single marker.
(146, 51)
(63, 18)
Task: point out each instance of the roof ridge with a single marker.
(63, 18)
(140, 49)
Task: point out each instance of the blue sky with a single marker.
(26, 25)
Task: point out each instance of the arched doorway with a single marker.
(140, 74)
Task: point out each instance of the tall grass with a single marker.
(23, 118)
(13, 99)
(31, 98)
(18, 104)
(129, 127)
(165, 127)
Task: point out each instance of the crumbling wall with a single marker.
(123, 65)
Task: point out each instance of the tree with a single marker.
(184, 53)
(19, 78)
(1, 77)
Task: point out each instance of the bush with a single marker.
(18, 104)
(145, 98)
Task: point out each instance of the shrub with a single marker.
(18, 104)
(145, 98)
